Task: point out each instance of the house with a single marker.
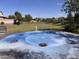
(5, 19)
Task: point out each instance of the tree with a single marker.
(71, 7)
(77, 19)
(70, 25)
(18, 16)
(28, 18)
(38, 19)
(11, 17)
(61, 20)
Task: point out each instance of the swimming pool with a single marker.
(48, 42)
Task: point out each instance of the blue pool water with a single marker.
(56, 42)
(35, 38)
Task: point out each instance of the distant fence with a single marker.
(3, 29)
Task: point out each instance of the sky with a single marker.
(36, 8)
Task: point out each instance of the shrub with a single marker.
(17, 22)
(2, 23)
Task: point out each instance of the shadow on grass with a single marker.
(50, 29)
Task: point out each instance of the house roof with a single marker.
(3, 17)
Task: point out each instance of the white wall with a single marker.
(7, 21)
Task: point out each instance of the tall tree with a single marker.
(70, 25)
(18, 16)
(71, 7)
(77, 19)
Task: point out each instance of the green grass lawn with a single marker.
(31, 27)
(76, 31)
